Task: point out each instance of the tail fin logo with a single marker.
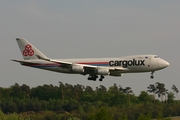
(28, 51)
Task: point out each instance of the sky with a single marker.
(90, 29)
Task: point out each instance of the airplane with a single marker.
(93, 67)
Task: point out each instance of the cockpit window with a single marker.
(156, 56)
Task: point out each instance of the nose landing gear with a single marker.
(152, 75)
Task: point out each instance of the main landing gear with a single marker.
(94, 77)
(152, 75)
(101, 78)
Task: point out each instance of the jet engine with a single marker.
(103, 71)
(77, 68)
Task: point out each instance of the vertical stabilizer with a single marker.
(28, 50)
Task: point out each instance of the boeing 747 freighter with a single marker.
(94, 67)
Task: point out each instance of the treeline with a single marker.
(68, 101)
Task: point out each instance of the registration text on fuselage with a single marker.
(126, 63)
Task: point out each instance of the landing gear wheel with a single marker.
(101, 78)
(151, 77)
(92, 77)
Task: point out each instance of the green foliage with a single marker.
(144, 117)
(144, 97)
(74, 118)
(123, 117)
(171, 97)
(11, 117)
(102, 114)
(78, 102)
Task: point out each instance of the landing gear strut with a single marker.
(152, 75)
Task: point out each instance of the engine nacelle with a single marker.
(103, 71)
(77, 69)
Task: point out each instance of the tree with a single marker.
(70, 91)
(128, 91)
(13, 116)
(152, 89)
(160, 90)
(78, 89)
(102, 114)
(113, 89)
(16, 91)
(144, 97)
(89, 89)
(88, 94)
(144, 117)
(62, 87)
(102, 88)
(170, 97)
(175, 89)
(120, 89)
(165, 93)
(26, 90)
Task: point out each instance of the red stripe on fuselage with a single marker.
(55, 64)
(92, 62)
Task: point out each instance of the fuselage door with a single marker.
(149, 61)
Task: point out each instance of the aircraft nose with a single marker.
(164, 64)
(167, 64)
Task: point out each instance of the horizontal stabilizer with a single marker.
(22, 61)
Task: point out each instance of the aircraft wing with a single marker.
(66, 64)
(87, 67)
